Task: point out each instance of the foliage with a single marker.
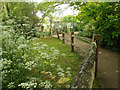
(104, 17)
(47, 9)
(29, 64)
(97, 83)
(87, 31)
(42, 34)
(69, 19)
(26, 62)
(15, 10)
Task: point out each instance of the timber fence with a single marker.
(88, 69)
(85, 76)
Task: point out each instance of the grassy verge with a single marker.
(97, 83)
(71, 59)
(85, 41)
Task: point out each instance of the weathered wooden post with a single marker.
(96, 38)
(58, 34)
(63, 36)
(50, 27)
(72, 42)
(58, 30)
(50, 32)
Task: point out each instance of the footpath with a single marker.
(107, 62)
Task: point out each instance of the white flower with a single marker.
(60, 69)
(69, 74)
(35, 48)
(11, 85)
(47, 84)
(56, 52)
(49, 73)
(58, 66)
(28, 37)
(61, 74)
(52, 48)
(45, 55)
(68, 68)
(36, 44)
(6, 63)
(42, 47)
(22, 46)
(52, 64)
(45, 45)
(42, 84)
(67, 86)
(63, 54)
(22, 38)
(0, 65)
(28, 85)
(33, 79)
(29, 65)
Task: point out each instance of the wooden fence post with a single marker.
(50, 32)
(63, 36)
(72, 42)
(58, 34)
(96, 38)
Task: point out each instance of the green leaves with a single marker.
(105, 18)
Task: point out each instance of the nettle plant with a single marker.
(28, 63)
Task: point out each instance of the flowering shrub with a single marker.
(42, 34)
(27, 63)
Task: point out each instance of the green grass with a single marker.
(85, 41)
(97, 83)
(72, 59)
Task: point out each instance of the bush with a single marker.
(29, 64)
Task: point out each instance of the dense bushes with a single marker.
(101, 18)
(27, 63)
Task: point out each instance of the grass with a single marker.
(85, 41)
(97, 83)
(72, 59)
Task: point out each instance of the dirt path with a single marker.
(108, 68)
(107, 63)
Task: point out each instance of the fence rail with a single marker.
(83, 38)
(88, 69)
(85, 76)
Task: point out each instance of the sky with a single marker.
(68, 11)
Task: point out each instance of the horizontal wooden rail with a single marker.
(83, 38)
(85, 76)
(89, 60)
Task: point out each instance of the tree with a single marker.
(19, 9)
(105, 17)
(69, 19)
(47, 9)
